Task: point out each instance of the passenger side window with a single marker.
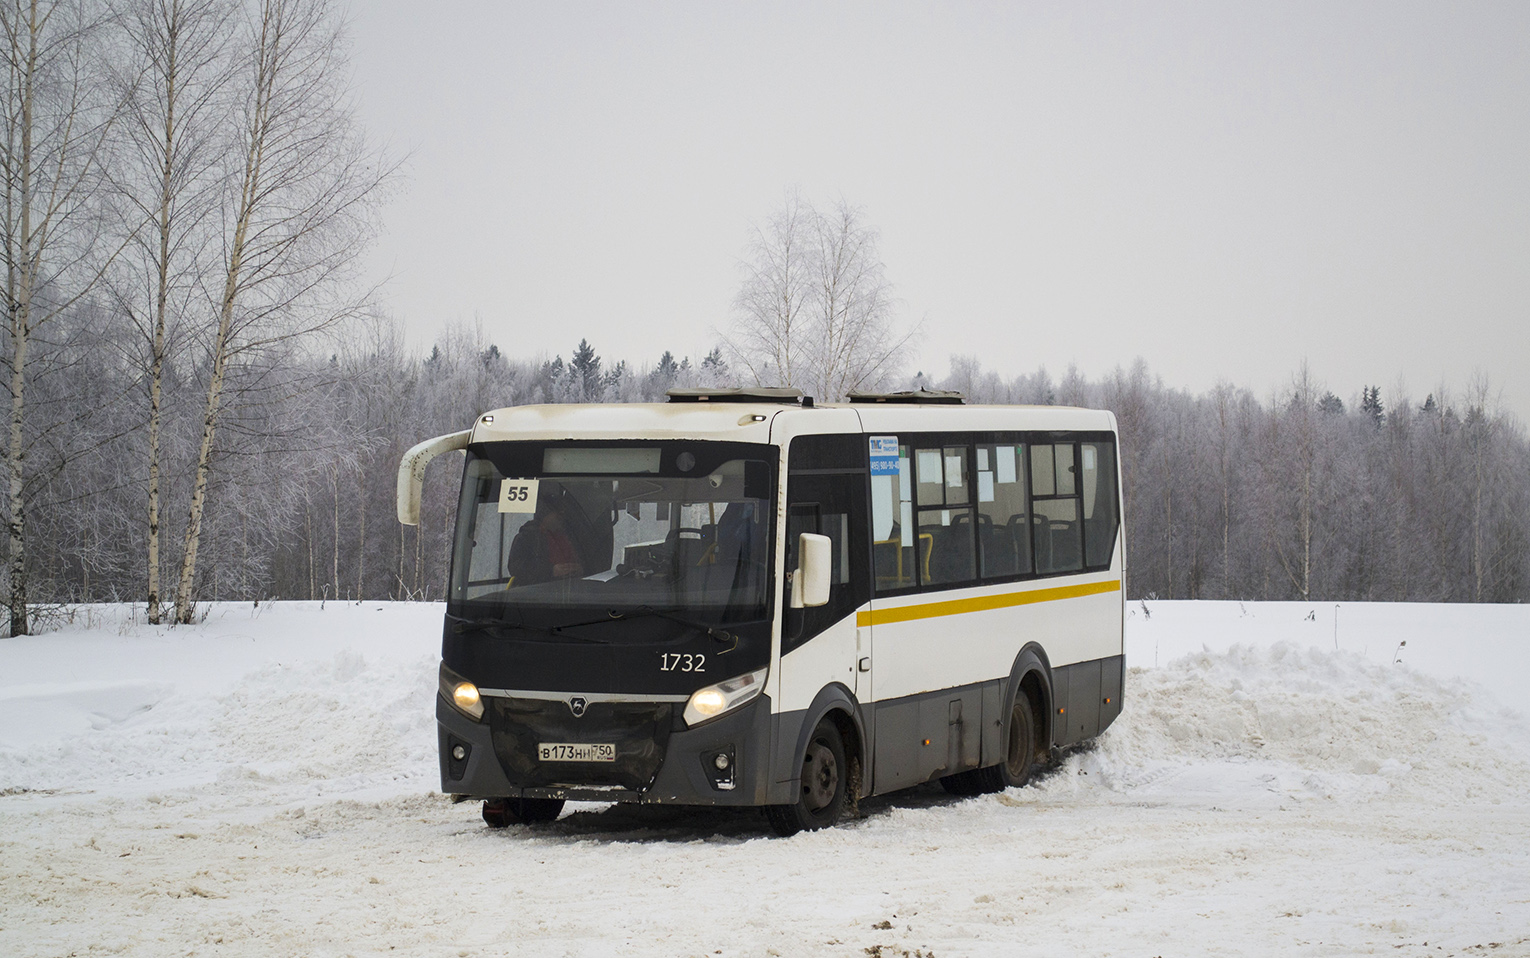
(1057, 533)
(1101, 502)
(1004, 520)
(946, 543)
(946, 514)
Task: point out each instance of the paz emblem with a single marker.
(577, 705)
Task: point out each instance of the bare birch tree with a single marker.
(296, 217)
(856, 342)
(56, 119)
(175, 90)
(816, 310)
(1484, 451)
(1294, 442)
(771, 336)
(1222, 403)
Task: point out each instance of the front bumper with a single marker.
(670, 764)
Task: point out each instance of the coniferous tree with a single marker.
(1371, 406)
(585, 367)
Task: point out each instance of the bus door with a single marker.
(824, 638)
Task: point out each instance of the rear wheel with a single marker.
(1019, 756)
(499, 812)
(825, 780)
(1020, 749)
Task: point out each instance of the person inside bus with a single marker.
(544, 549)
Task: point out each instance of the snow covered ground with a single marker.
(264, 784)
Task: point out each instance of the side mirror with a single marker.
(810, 583)
(411, 472)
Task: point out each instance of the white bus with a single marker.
(742, 597)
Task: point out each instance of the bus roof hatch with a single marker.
(782, 394)
(923, 396)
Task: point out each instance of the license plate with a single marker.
(576, 752)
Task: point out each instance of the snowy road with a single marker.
(263, 785)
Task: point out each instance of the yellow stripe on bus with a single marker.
(982, 603)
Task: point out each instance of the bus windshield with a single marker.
(678, 526)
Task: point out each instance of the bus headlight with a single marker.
(462, 694)
(465, 697)
(714, 700)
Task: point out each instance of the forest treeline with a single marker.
(1296, 495)
(206, 403)
(1300, 494)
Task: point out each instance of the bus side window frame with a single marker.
(1110, 472)
(1019, 452)
(1026, 441)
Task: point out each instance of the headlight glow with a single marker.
(465, 695)
(714, 700)
(461, 694)
(708, 702)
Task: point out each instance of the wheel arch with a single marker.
(1032, 671)
(837, 703)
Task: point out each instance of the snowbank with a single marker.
(1488, 644)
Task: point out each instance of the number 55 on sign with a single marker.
(518, 495)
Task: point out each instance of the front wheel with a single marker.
(499, 812)
(825, 780)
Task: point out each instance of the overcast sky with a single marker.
(1220, 189)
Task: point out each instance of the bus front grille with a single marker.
(639, 730)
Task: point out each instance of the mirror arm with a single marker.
(411, 471)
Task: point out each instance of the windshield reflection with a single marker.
(697, 542)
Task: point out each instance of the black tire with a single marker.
(1019, 753)
(499, 812)
(825, 780)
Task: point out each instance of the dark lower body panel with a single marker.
(908, 741)
(920, 738)
(1090, 695)
(659, 760)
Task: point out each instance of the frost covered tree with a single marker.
(56, 121)
(584, 366)
(816, 310)
(771, 335)
(662, 377)
(1370, 404)
(857, 344)
(166, 173)
(297, 214)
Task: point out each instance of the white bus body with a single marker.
(621, 622)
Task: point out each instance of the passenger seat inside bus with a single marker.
(951, 558)
(1057, 545)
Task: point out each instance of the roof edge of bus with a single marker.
(742, 399)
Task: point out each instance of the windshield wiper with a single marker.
(720, 635)
(497, 628)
